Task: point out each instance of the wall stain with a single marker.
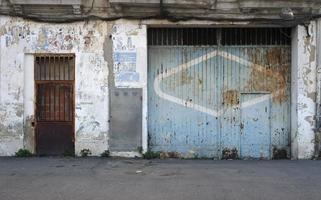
(309, 48)
(42, 38)
(312, 95)
(88, 39)
(3, 30)
(185, 78)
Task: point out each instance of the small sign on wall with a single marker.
(125, 66)
(125, 41)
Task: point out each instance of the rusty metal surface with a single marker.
(54, 138)
(196, 97)
(54, 102)
(54, 80)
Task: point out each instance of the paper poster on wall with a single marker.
(125, 57)
(125, 66)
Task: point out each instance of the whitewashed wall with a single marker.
(303, 91)
(20, 39)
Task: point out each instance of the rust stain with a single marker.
(164, 155)
(269, 73)
(231, 97)
(185, 78)
(273, 56)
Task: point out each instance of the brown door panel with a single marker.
(54, 80)
(55, 138)
(55, 121)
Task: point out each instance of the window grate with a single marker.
(218, 36)
(54, 67)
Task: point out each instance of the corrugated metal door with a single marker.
(197, 78)
(54, 80)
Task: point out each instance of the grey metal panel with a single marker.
(125, 119)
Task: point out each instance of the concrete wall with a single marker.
(20, 39)
(93, 44)
(304, 84)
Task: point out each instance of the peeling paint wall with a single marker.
(20, 39)
(303, 91)
(129, 54)
(89, 41)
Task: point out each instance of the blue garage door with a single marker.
(212, 92)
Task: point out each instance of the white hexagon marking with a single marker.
(198, 60)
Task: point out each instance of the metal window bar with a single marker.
(54, 67)
(210, 36)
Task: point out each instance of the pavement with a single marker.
(43, 178)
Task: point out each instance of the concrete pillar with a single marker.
(29, 104)
(318, 94)
(303, 91)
